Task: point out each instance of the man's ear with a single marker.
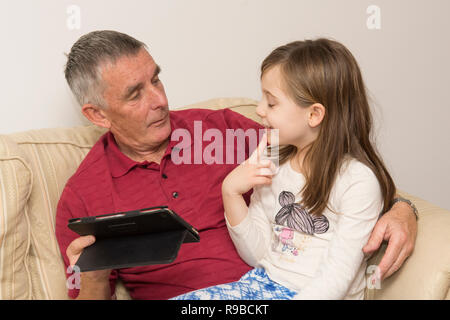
(96, 115)
(316, 114)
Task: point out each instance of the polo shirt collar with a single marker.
(120, 164)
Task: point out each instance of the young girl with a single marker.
(306, 225)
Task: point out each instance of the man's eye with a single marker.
(135, 96)
(155, 81)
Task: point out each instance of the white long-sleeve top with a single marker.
(320, 258)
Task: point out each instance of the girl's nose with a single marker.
(260, 109)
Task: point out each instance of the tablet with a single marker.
(134, 238)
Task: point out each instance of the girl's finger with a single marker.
(267, 167)
(262, 180)
(264, 164)
(265, 172)
(259, 151)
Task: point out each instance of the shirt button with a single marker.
(164, 176)
(175, 195)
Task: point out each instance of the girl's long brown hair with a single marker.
(324, 71)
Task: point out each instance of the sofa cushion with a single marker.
(53, 156)
(425, 274)
(15, 187)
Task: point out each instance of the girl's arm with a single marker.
(235, 208)
(252, 235)
(248, 231)
(252, 172)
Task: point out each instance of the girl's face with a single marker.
(278, 111)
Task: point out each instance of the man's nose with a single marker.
(157, 98)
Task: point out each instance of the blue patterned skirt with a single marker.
(254, 285)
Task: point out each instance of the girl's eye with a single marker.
(270, 105)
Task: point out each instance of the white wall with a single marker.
(213, 48)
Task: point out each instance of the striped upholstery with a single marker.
(15, 188)
(35, 165)
(53, 156)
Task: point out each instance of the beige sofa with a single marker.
(35, 165)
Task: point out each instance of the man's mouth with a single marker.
(159, 122)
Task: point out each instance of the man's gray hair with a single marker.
(89, 55)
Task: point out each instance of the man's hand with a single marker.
(94, 284)
(398, 226)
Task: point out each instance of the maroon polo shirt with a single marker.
(107, 181)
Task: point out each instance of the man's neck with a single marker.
(151, 155)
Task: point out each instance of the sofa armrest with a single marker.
(15, 187)
(426, 273)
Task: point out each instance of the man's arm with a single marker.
(95, 284)
(398, 226)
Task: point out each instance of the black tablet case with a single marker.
(134, 238)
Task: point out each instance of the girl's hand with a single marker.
(250, 173)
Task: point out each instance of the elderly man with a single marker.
(116, 81)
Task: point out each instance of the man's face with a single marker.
(137, 108)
